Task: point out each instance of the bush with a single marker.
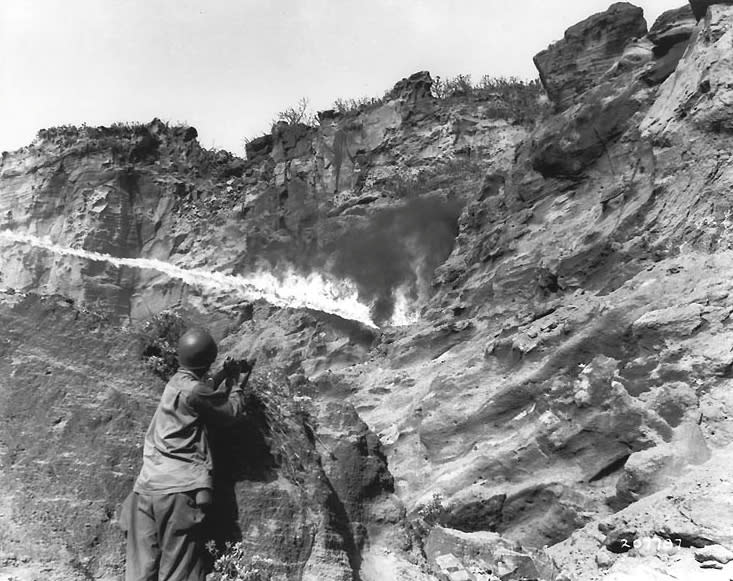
(344, 106)
(433, 511)
(300, 113)
(160, 335)
(452, 87)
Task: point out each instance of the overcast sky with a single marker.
(228, 66)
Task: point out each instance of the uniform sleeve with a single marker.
(217, 406)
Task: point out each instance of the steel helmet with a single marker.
(196, 349)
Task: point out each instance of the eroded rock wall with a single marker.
(355, 197)
(581, 319)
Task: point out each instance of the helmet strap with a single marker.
(199, 371)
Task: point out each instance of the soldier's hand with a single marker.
(247, 365)
(232, 368)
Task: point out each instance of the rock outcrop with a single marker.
(571, 66)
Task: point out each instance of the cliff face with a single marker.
(565, 375)
(372, 196)
(114, 219)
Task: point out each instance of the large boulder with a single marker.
(572, 65)
(567, 144)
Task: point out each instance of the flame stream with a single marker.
(404, 312)
(291, 290)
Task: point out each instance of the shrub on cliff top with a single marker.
(514, 97)
(346, 106)
(299, 113)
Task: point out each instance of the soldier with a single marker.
(164, 513)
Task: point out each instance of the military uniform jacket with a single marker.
(176, 453)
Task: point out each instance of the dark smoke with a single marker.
(380, 254)
(385, 253)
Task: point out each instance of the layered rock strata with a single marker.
(572, 282)
(572, 65)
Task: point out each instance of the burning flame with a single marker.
(314, 291)
(405, 312)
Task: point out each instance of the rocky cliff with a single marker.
(545, 358)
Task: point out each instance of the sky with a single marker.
(228, 67)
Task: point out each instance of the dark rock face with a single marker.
(308, 472)
(585, 130)
(259, 147)
(572, 65)
(700, 7)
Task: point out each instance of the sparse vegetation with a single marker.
(123, 142)
(300, 113)
(515, 98)
(512, 97)
(452, 87)
(345, 106)
(433, 511)
(71, 133)
(160, 336)
(506, 87)
(428, 516)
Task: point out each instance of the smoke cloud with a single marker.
(399, 248)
